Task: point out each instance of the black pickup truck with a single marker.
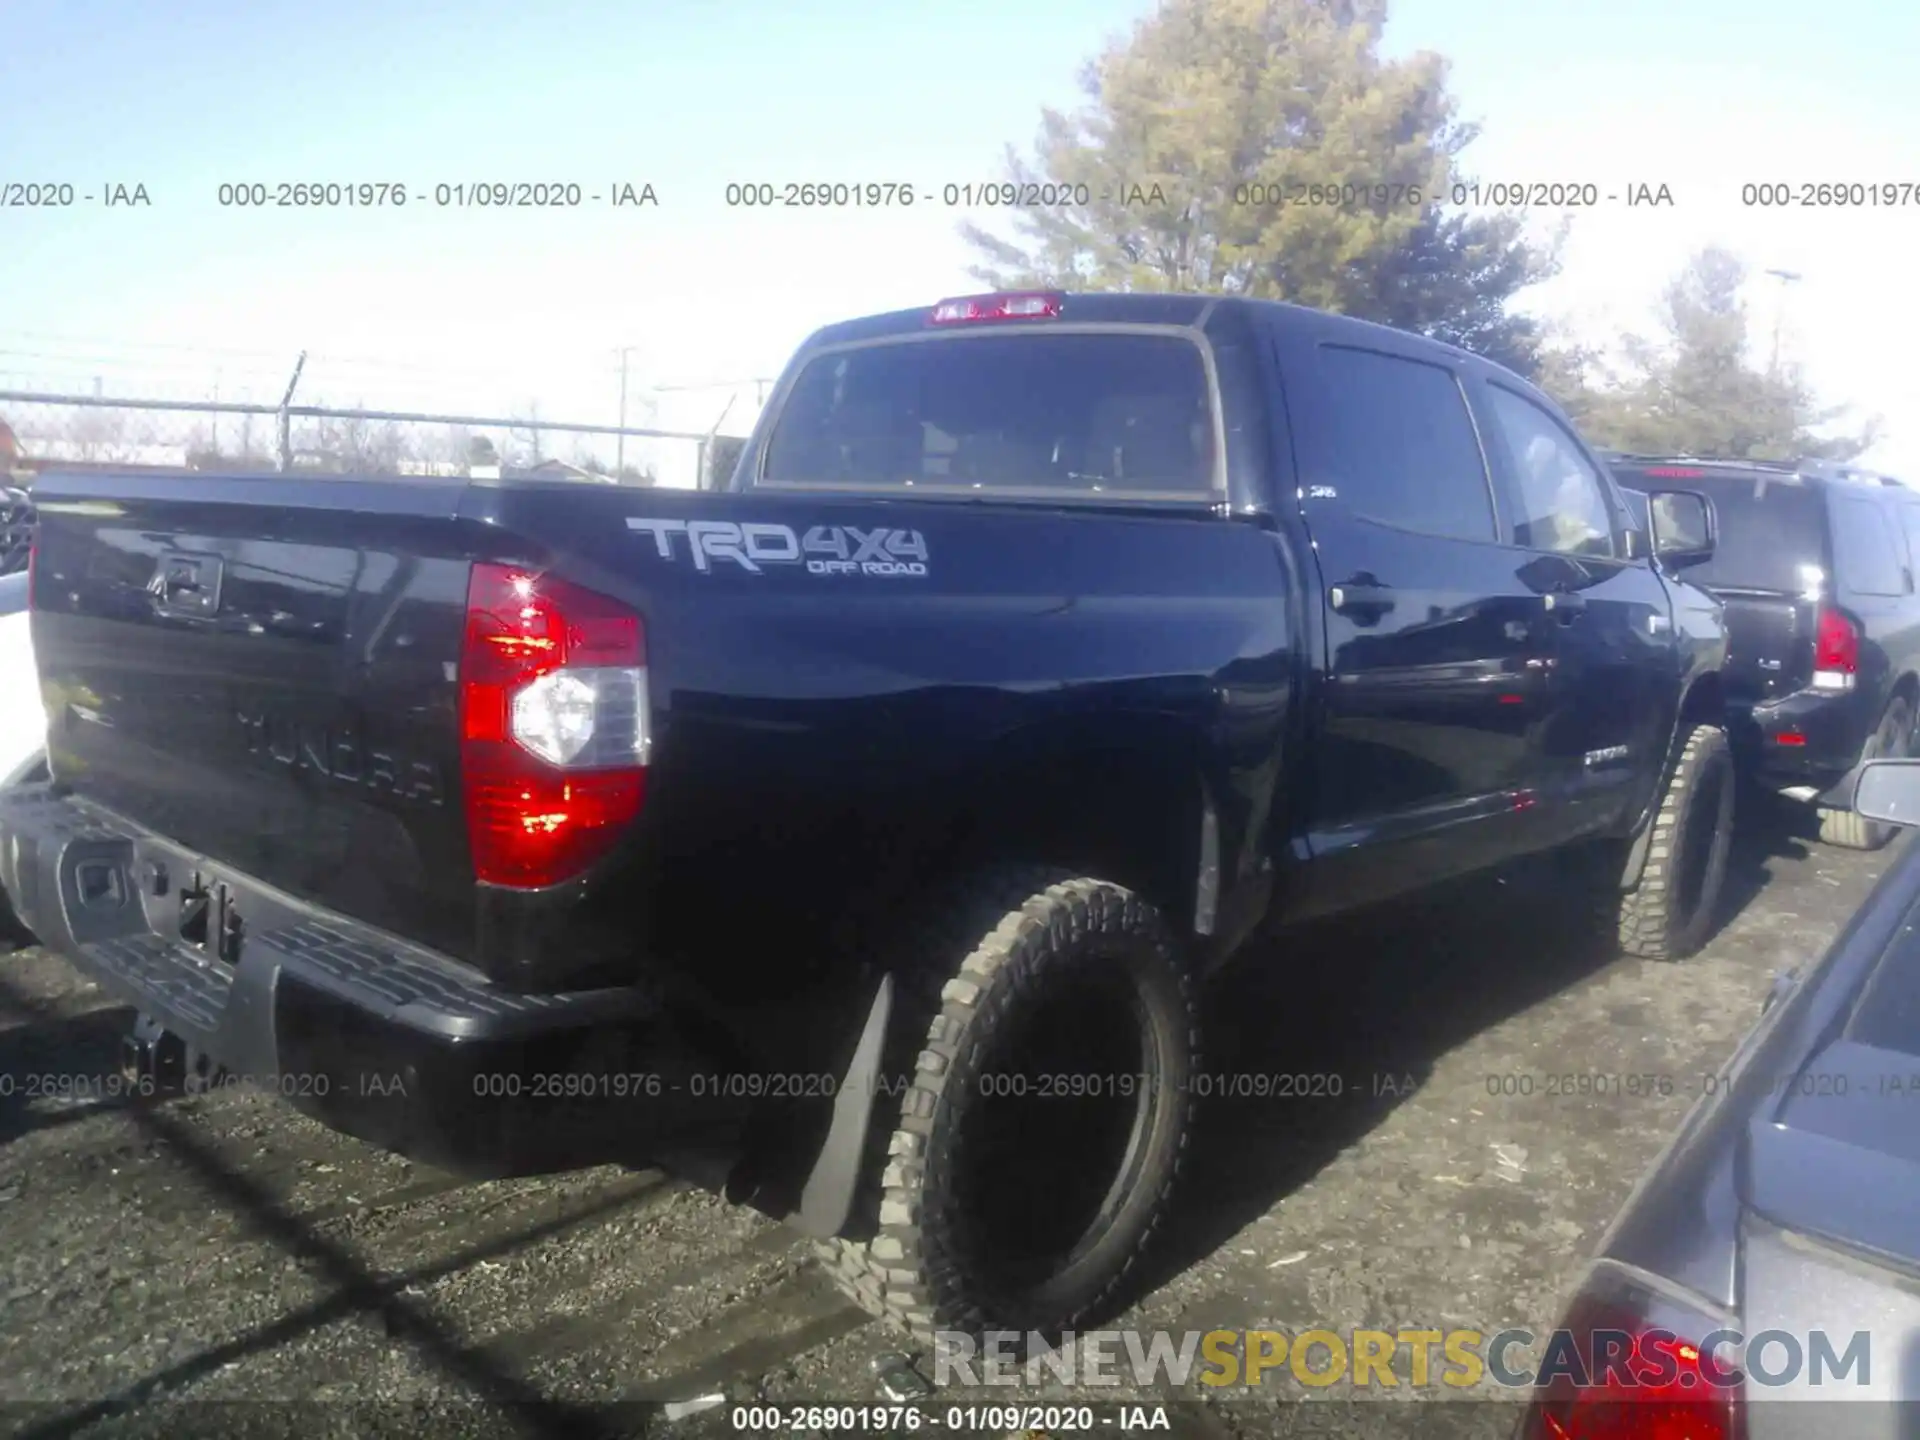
(869, 826)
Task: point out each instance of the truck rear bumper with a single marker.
(398, 1046)
(1806, 744)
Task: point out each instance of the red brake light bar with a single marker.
(1675, 472)
(1026, 305)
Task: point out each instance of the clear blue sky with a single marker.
(492, 307)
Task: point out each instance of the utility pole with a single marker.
(620, 441)
(286, 414)
(1786, 278)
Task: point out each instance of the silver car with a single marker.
(1764, 1278)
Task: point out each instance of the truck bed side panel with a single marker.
(814, 718)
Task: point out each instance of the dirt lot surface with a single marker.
(222, 1248)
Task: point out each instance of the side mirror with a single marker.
(1683, 527)
(1888, 791)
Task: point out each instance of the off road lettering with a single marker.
(824, 550)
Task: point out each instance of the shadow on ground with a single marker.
(58, 1070)
(1385, 996)
(89, 1044)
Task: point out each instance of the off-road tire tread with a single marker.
(994, 921)
(1648, 926)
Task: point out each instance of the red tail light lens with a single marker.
(1836, 650)
(1638, 1373)
(553, 725)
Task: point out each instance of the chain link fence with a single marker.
(78, 431)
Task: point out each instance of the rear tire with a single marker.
(1669, 912)
(1892, 738)
(992, 1200)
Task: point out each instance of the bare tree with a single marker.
(527, 439)
(96, 433)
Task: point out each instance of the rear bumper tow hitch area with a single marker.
(155, 1061)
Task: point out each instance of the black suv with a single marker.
(1815, 564)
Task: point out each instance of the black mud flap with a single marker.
(826, 1201)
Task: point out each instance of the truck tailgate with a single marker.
(1769, 643)
(262, 671)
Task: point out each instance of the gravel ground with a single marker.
(223, 1248)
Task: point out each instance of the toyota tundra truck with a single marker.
(866, 829)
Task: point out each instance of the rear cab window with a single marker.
(1772, 528)
(1091, 413)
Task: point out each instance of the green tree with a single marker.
(1695, 389)
(1209, 109)
(1573, 372)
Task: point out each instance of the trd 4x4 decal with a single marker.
(824, 549)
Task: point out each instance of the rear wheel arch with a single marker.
(1704, 703)
(1124, 799)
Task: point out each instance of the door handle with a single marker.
(186, 584)
(1568, 605)
(1351, 598)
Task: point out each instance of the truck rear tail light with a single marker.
(1649, 1365)
(1836, 651)
(970, 308)
(553, 725)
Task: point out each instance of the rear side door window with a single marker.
(1558, 500)
(1865, 554)
(1401, 445)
